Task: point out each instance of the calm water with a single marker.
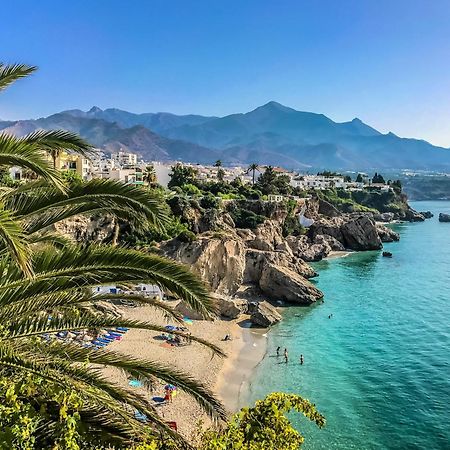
(379, 368)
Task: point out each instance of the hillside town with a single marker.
(127, 167)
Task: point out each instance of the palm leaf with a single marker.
(12, 72)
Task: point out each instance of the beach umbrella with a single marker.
(170, 327)
(170, 387)
(187, 320)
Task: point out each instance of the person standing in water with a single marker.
(301, 359)
(286, 357)
(278, 351)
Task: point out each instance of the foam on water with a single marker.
(379, 368)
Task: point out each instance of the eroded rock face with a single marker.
(263, 314)
(444, 217)
(386, 234)
(384, 217)
(256, 260)
(228, 307)
(353, 231)
(281, 283)
(220, 261)
(360, 233)
(266, 236)
(92, 229)
(413, 216)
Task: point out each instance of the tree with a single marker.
(252, 168)
(359, 178)
(47, 287)
(347, 178)
(378, 179)
(220, 174)
(264, 426)
(182, 175)
(218, 163)
(149, 176)
(266, 181)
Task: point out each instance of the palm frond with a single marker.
(144, 369)
(14, 241)
(16, 151)
(12, 72)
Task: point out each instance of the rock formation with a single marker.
(263, 314)
(444, 217)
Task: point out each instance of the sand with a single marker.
(226, 377)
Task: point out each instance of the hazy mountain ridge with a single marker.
(110, 136)
(270, 134)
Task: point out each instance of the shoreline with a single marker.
(248, 350)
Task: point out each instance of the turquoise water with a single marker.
(379, 368)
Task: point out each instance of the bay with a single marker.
(379, 368)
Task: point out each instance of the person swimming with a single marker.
(278, 351)
(286, 357)
(301, 359)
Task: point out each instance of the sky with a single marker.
(386, 62)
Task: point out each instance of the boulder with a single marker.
(413, 216)
(263, 314)
(334, 244)
(444, 217)
(327, 209)
(302, 247)
(281, 283)
(228, 307)
(360, 233)
(256, 260)
(427, 214)
(386, 234)
(384, 217)
(329, 227)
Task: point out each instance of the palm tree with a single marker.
(46, 287)
(252, 168)
(150, 176)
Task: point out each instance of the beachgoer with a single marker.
(286, 357)
(278, 351)
(301, 359)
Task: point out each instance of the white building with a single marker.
(124, 159)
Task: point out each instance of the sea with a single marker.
(377, 351)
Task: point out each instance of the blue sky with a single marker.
(384, 61)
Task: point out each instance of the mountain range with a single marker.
(270, 134)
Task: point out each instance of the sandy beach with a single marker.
(226, 377)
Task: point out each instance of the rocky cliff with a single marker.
(264, 264)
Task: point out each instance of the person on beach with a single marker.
(278, 351)
(301, 360)
(286, 357)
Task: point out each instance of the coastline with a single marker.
(248, 350)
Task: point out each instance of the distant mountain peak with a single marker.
(274, 106)
(95, 109)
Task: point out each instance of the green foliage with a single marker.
(182, 175)
(359, 178)
(243, 218)
(209, 201)
(378, 178)
(71, 176)
(46, 287)
(191, 189)
(269, 182)
(264, 426)
(328, 174)
(30, 402)
(187, 236)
